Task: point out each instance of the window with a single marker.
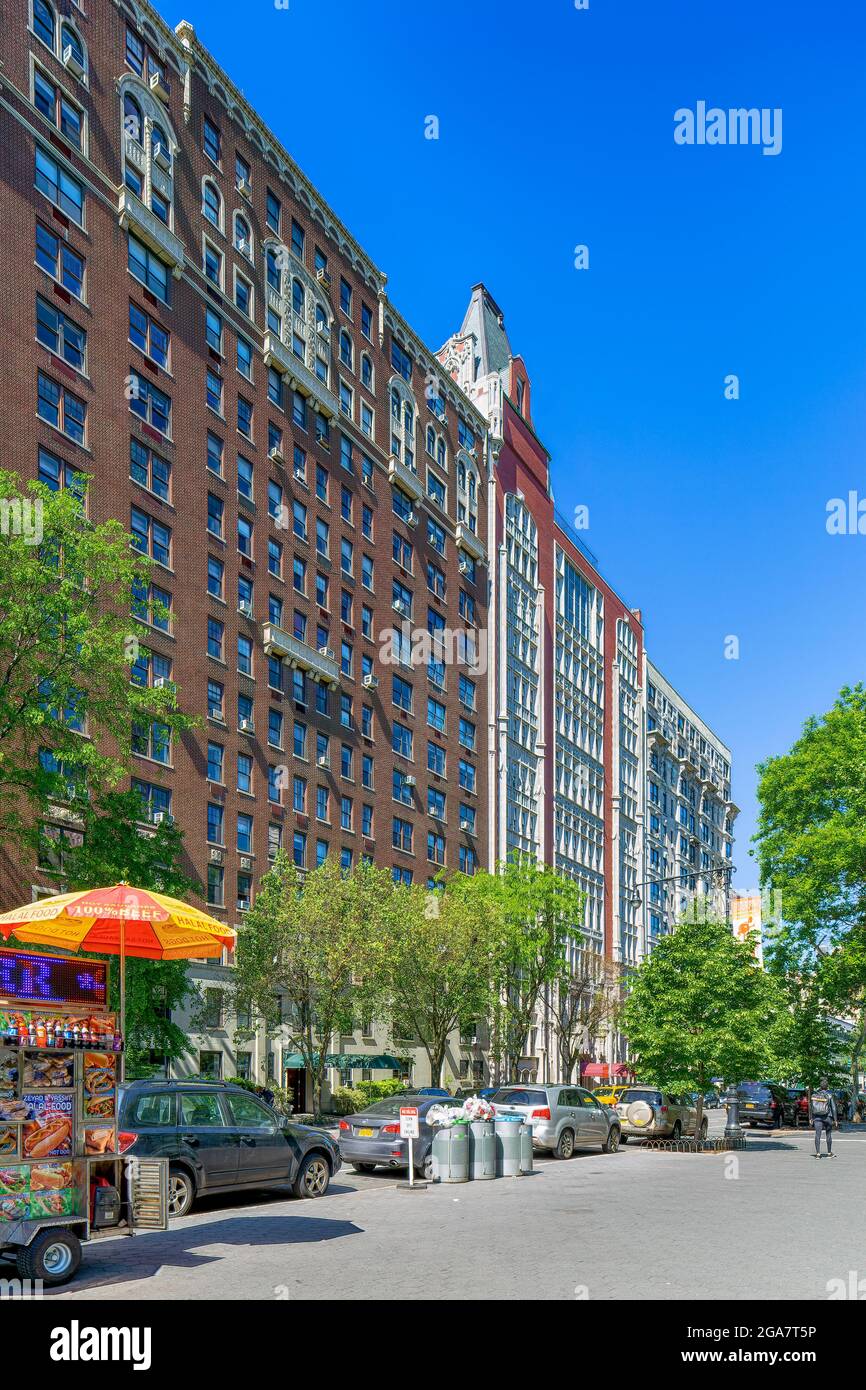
(468, 859)
(244, 295)
(401, 739)
(212, 140)
(401, 361)
(215, 577)
(245, 358)
(298, 239)
(435, 847)
(345, 297)
(435, 714)
(60, 335)
(275, 558)
(61, 409)
(273, 210)
(152, 740)
(152, 605)
(57, 108)
(245, 773)
(215, 510)
(466, 775)
(146, 334)
(149, 470)
(435, 536)
(59, 261)
(150, 536)
(215, 823)
(43, 23)
(215, 638)
(148, 269)
(58, 475)
(212, 263)
(212, 204)
(243, 236)
(435, 489)
(59, 187)
(245, 536)
(245, 418)
(401, 835)
(436, 759)
(149, 403)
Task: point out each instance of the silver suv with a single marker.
(563, 1118)
(647, 1113)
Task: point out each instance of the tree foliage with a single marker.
(67, 637)
(811, 847)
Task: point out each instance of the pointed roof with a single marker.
(484, 319)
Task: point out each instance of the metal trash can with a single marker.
(508, 1146)
(526, 1148)
(451, 1154)
(482, 1149)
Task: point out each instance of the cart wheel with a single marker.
(53, 1256)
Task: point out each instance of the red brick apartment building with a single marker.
(189, 323)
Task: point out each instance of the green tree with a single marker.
(68, 588)
(536, 915)
(700, 1006)
(435, 969)
(811, 848)
(307, 952)
(114, 849)
(807, 1041)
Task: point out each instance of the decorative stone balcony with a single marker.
(405, 478)
(144, 224)
(472, 544)
(298, 655)
(299, 376)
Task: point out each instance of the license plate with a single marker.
(749, 1105)
(365, 1133)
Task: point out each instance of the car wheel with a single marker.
(181, 1192)
(53, 1257)
(364, 1167)
(676, 1132)
(313, 1177)
(565, 1145)
(611, 1143)
(426, 1168)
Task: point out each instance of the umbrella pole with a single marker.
(122, 1058)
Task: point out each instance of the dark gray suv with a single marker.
(221, 1138)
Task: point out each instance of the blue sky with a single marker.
(556, 129)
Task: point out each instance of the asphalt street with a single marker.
(768, 1223)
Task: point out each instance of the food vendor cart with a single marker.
(63, 1179)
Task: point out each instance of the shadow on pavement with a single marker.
(127, 1259)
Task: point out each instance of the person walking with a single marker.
(824, 1117)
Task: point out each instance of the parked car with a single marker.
(766, 1104)
(712, 1101)
(434, 1091)
(646, 1112)
(372, 1137)
(220, 1138)
(608, 1095)
(563, 1118)
(799, 1098)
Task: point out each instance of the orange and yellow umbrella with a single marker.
(134, 921)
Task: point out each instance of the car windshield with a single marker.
(756, 1090)
(519, 1097)
(392, 1105)
(652, 1097)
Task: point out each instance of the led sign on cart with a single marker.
(38, 979)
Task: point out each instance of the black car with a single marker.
(766, 1104)
(220, 1138)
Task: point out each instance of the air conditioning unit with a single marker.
(324, 760)
(464, 567)
(326, 651)
(323, 329)
(216, 856)
(163, 818)
(163, 683)
(370, 682)
(72, 63)
(409, 781)
(412, 519)
(245, 190)
(401, 606)
(246, 863)
(466, 825)
(246, 608)
(243, 904)
(159, 86)
(247, 726)
(324, 279)
(162, 158)
(276, 455)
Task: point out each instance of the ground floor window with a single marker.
(210, 1065)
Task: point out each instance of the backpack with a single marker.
(821, 1101)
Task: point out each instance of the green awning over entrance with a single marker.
(377, 1061)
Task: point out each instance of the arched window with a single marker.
(298, 297)
(367, 372)
(243, 236)
(133, 123)
(441, 455)
(431, 441)
(44, 23)
(69, 39)
(402, 423)
(212, 205)
(345, 348)
(159, 146)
